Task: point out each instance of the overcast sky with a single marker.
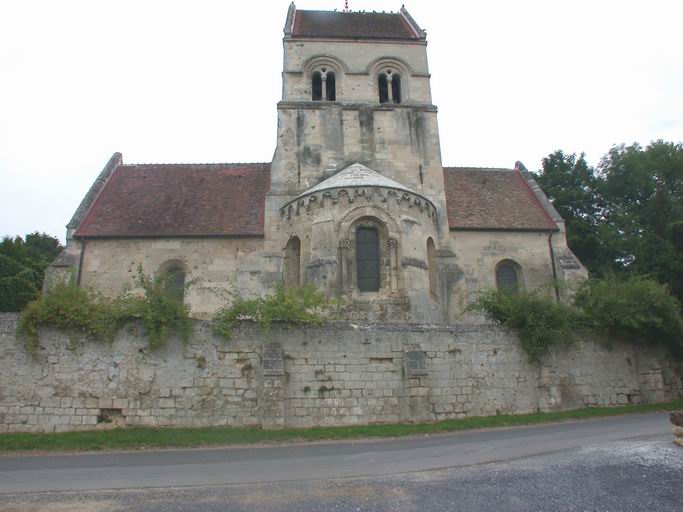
(198, 81)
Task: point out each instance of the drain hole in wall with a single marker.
(113, 416)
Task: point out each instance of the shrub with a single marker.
(72, 308)
(637, 308)
(297, 305)
(539, 320)
(161, 312)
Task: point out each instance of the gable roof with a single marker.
(176, 200)
(493, 199)
(180, 200)
(355, 25)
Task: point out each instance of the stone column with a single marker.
(390, 92)
(323, 79)
(393, 262)
(343, 265)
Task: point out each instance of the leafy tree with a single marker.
(22, 268)
(574, 188)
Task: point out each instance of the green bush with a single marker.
(72, 308)
(297, 305)
(637, 308)
(539, 320)
(161, 312)
(17, 291)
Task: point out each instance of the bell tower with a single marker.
(356, 89)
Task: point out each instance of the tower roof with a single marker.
(357, 175)
(352, 25)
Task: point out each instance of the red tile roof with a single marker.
(493, 199)
(172, 200)
(180, 200)
(355, 25)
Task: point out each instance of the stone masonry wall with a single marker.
(334, 375)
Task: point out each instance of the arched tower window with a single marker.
(292, 264)
(396, 87)
(389, 86)
(331, 88)
(507, 278)
(323, 85)
(431, 269)
(173, 279)
(383, 86)
(317, 86)
(367, 259)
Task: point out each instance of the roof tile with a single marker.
(180, 200)
(492, 199)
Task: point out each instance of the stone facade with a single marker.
(340, 374)
(298, 220)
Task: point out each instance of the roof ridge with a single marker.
(479, 168)
(206, 164)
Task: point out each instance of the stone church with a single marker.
(356, 200)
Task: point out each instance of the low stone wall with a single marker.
(334, 375)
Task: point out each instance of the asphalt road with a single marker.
(621, 463)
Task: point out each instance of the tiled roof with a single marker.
(180, 200)
(357, 175)
(492, 199)
(354, 25)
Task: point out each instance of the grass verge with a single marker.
(168, 437)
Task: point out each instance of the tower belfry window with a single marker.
(317, 86)
(323, 85)
(383, 88)
(389, 87)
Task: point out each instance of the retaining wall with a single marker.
(334, 375)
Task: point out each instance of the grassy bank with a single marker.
(141, 438)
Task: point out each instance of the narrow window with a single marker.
(174, 283)
(317, 86)
(367, 259)
(383, 88)
(431, 268)
(396, 87)
(331, 87)
(506, 278)
(292, 262)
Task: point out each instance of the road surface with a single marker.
(618, 463)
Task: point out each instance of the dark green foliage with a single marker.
(72, 308)
(626, 216)
(539, 320)
(637, 308)
(22, 268)
(162, 312)
(69, 307)
(297, 305)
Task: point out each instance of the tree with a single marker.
(22, 268)
(574, 188)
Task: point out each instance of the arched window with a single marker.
(507, 278)
(431, 268)
(317, 86)
(331, 87)
(396, 87)
(383, 88)
(174, 282)
(292, 264)
(367, 259)
(324, 85)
